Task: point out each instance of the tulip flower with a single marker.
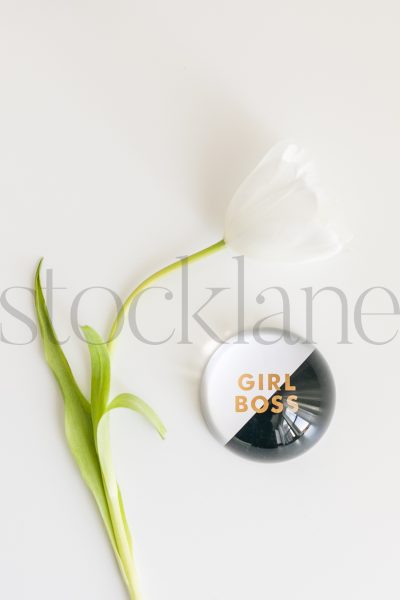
(276, 215)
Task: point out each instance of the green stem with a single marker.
(120, 526)
(125, 553)
(117, 515)
(147, 282)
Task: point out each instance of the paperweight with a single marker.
(267, 398)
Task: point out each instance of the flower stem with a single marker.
(114, 500)
(125, 553)
(117, 325)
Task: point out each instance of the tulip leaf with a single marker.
(54, 355)
(135, 404)
(87, 430)
(100, 386)
(100, 389)
(138, 405)
(78, 423)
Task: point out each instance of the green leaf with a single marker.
(135, 404)
(100, 361)
(87, 431)
(100, 389)
(55, 357)
(78, 422)
(138, 405)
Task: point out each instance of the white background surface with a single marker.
(124, 129)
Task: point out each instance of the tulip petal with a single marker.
(277, 213)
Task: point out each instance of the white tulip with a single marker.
(278, 215)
